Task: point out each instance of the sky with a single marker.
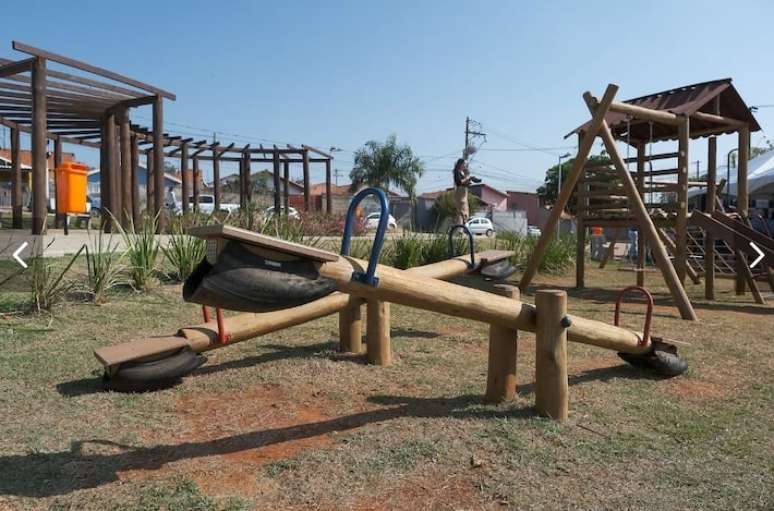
(338, 73)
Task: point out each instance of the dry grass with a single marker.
(285, 422)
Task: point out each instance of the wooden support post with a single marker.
(351, 329)
(580, 249)
(108, 173)
(643, 219)
(742, 201)
(185, 178)
(328, 205)
(378, 351)
(307, 196)
(57, 163)
(286, 188)
(216, 178)
(709, 239)
(116, 179)
(158, 164)
(126, 169)
(248, 179)
(150, 185)
(641, 235)
(584, 148)
(196, 183)
(242, 201)
(670, 246)
(551, 384)
(503, 347)
(277, 188)
(136, 218)
(16, 180)
(39, 160)
(681, 225)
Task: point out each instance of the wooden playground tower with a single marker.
(83, 104)
(613, 196)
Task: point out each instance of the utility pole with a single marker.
(336, 173)
(471, 133)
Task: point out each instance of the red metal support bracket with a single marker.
(223, 336)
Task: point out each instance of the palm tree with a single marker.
(386, 164)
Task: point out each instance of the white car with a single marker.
(292, 212)
(533, 231)
(207, 204)
(481, 225)
(372, 221)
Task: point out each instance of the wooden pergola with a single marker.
(609, 195)
(90, 106)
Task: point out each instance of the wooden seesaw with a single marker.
(279, 284)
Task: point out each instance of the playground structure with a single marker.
(90, 106)
(610, 195)
(280, 284)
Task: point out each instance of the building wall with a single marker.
(528, 202)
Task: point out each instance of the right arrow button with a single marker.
(760, 255)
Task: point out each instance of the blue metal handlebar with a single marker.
(369, 276)
(452, 230)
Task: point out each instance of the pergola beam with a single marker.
(19, 66)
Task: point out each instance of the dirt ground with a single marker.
(287, 422)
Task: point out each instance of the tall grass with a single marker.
(184, 252)
(48, 285)
(559, 256)
(142, 252)
(103, 264)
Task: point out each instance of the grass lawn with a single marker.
(286, 422)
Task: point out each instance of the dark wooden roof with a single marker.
(682, 100)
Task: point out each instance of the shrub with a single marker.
(103, 266)
(48, 287)
(142, 251)
(184, 252)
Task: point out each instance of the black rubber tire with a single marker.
(155, 374)
(662, 362)
(489, 233)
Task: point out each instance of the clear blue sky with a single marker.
(341, 73)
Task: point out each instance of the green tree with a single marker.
(384, 164)
(547, 191)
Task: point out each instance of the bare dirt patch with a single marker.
(246, 428)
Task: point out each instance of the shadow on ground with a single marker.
(58, 473)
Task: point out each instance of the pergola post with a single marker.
(186, 182)
(286, 190)
(158, 164)
(328, 205)
(216, 178)
(39, 160)
(116, 179)
(196, 181)
(276, 176)
(242, 201)
(307, 196)
(640, 270)
(57, 163)
(135, 180)
(709, 239)
(108, 182)
(681, 225)
(742, 200)
(16, 179)
(248, 180)
(126, 169)
(150, 184)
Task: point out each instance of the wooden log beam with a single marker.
(647, 114)
(184, 177)
(350, 324)
(328, 194)
(135, 161)
(19, 66)
(643, 218)
(569, 186)
(83, 66)
(307, 195)
(681, 241)
(709, 239)
(742, 201)
(378, 349)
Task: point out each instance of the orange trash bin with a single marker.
(71, 186)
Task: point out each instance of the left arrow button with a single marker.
(19, 251)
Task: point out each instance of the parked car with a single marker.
(207, 204)
(533, 231)
(372, 221)
(481, 225)
(292, 212)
